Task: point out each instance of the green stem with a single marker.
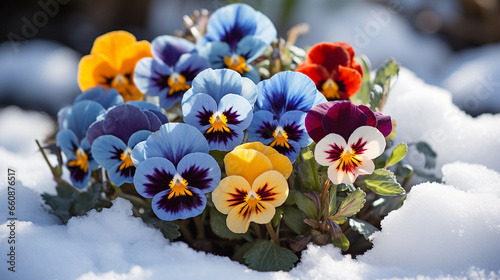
(57, 177)
(273, 235)
(185, 231)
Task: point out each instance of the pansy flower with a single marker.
(74, 123)
(171, 70)
(114, 137)
(220, 105)
(281, 107)
(333, 69)
(235, 36)
(111, 64)
(175, 170)
(256, 184)
(348, 137)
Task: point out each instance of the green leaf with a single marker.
(294, 219)
(403, 170)
(383, 182)
(219, 227)
(170, 230)
(86, 201)
(333, 199)
(364, 93)
(376, 94)
(429, 154)
(386, 72)
(364, 228)
(397, 154)
(219, 157)
(342, 242)
(307, 170)
(265, 256)
(351, 204)
(59, 206)
(306, 205)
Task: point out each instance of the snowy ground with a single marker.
(443, 231)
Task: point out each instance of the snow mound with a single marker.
(427, 113)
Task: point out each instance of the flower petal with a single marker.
(68, 142)
(286, 91)
(200, 170)
(217, 83)
(137, 137)
(111, 44)
(153, 175)
(330, 55)
(190, 65)
(280, 162)
(246, 163)
(132, 116)
(214, 52)
(316, 72)
(262, 127)
(271, 187)
(81, 116)
(343, 118)
(94, 70)
(328, 150)
(178, 207)
(107, 97)
(107, 149)
(138, 155)
(198, 109)
(237, 110)
(265, 213)
(384, 123)
(367, 141)
(169, 48)
(230, 193)
(251, 47)
(313, 121)
(293, 124)
(350, 79)
(338, 176)
(236, 221)
(150, 76)
(170, 142)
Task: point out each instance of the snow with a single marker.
(448, 230)
(38, 74)
(426, 113)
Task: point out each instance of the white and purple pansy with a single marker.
(348, 137)
(235, 36)
(114, 136)
(174, 172)
(170, 72)
(220, 105)
(73, 124)
(280, 111)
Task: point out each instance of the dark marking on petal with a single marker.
(197, 177)
(180, 203)
(158, 181)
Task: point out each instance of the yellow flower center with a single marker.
(179, 187)
(280, 138)
(218, 123)
(330, 89)
(236, 63)
(348, 160)
(120, 80)
(125, 157)
(252, 200)
(177, 82)
(81, 160)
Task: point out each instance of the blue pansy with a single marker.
(107, 97)
(174, 172)
(220, 105)
(280, 110)
(114, 136)
(73, 125)
(236, 35)
(170, 72)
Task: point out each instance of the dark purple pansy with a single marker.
(343, 118)
(114, 137)
(174, 172)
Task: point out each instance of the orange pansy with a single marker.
(111, 63)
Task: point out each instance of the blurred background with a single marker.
(454, 44)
